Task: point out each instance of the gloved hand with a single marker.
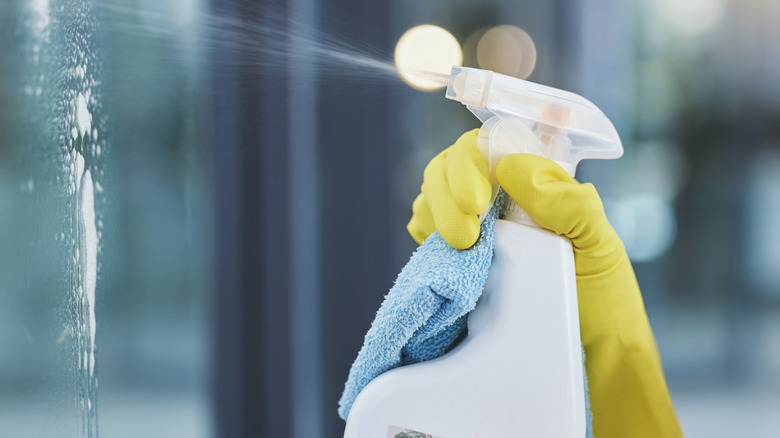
(455, 190)
(628, 392)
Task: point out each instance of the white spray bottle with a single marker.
(519, 371)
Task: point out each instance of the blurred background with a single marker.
(203, 203)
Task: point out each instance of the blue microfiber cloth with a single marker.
(424, 314)
(588, 413)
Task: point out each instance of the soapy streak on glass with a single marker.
(62, 45)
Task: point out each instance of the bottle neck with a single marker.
(513, 213)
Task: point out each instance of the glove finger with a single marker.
(467, 175)
(551, 197)
(459, 229)
(556, 201)
(421, 224)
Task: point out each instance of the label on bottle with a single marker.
(402, 432)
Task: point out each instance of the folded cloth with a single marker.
(424, 314)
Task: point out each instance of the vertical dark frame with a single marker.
(356, 163)
(254, 359)
(251, 363)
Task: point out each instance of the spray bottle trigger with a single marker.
(500, 137)
(484, 145)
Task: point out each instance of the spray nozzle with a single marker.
(523, 117)
(550, 113)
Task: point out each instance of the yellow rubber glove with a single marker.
(455, 191)
(628, 392)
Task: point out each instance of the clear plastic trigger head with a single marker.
(501, 137)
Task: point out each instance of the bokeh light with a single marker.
(646, 224)
(507, 50)
(693, 17)
(660, 168)
(424, 56)
(643, 213)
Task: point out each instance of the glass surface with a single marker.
(103, 237)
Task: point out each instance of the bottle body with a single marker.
(519, 371)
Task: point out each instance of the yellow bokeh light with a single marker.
(507, 50)
(424, 56)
